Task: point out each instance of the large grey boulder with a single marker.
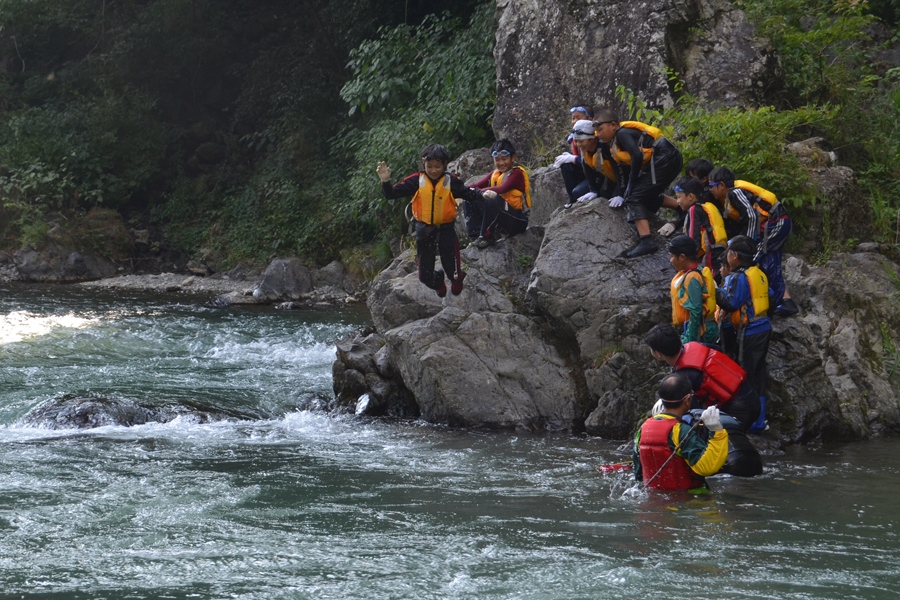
(553, 54)
(484, 369)
(472, 359)
(55, 264)
(284, 279)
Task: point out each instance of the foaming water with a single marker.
(304, 504)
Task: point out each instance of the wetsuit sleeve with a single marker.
(515, 181)
(705, 454)
(459, 190)
(483, 183)
(742, 201)
(406, 188)
(772, 233)
(737, 292)
(627, 140)
(694, 305)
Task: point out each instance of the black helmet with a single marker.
(683, 244)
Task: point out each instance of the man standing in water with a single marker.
(669, 454)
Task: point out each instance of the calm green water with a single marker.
(300, 504)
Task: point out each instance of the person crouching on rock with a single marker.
(700, 452)
(593, 161)
(435, 193)
(649, 162)
(507, 199)
(693, 292)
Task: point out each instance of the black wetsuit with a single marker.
(643, 197)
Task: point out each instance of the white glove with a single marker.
(657, 408)
(666, 230)
(384, 172)
(588, 196)
(616, 202)
(489, 194)
(710, 418)
(562, 159)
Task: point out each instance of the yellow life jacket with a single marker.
(717, 235)
(606, 168)
(515, 198)
(678, 291)
(759, 294)
(434, 205)
(623, 157)
(769, 200)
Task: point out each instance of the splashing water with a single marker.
(305, 504)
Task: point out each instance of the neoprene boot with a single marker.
(647, 246)
(456, 287)
(439, 276)
(481, 243)
(761, 423)
(788, 308)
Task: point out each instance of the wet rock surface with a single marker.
(91, 411)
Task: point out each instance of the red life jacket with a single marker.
(722, 377)
(655, 451)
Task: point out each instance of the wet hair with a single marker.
(606, 114)
(690, 185)
(745, 248)
(588, 109)
(435, 152)
(700, 167)
(683, 244)
(665, 339)
(721, 174)
(673, 388)
(503, 144)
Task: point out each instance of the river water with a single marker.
(291, 502)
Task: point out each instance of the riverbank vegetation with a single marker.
(240, 129)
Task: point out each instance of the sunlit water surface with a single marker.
(303, 504)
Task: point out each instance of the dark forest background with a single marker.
(233, 130)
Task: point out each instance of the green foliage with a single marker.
(820, 43)
(72, 156)
(409, 87)
(825, 52)
(751, 142)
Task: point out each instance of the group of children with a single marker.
(727, 255)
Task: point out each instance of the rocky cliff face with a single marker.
(547, 334)
(556, 53)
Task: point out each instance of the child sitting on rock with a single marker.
(436, 194)
(648, 162)
(693, 293)
(745, 327)
(507, 200)
(756, 212)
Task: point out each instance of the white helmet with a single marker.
(583, 130)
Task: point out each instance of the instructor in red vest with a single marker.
(699, 451)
